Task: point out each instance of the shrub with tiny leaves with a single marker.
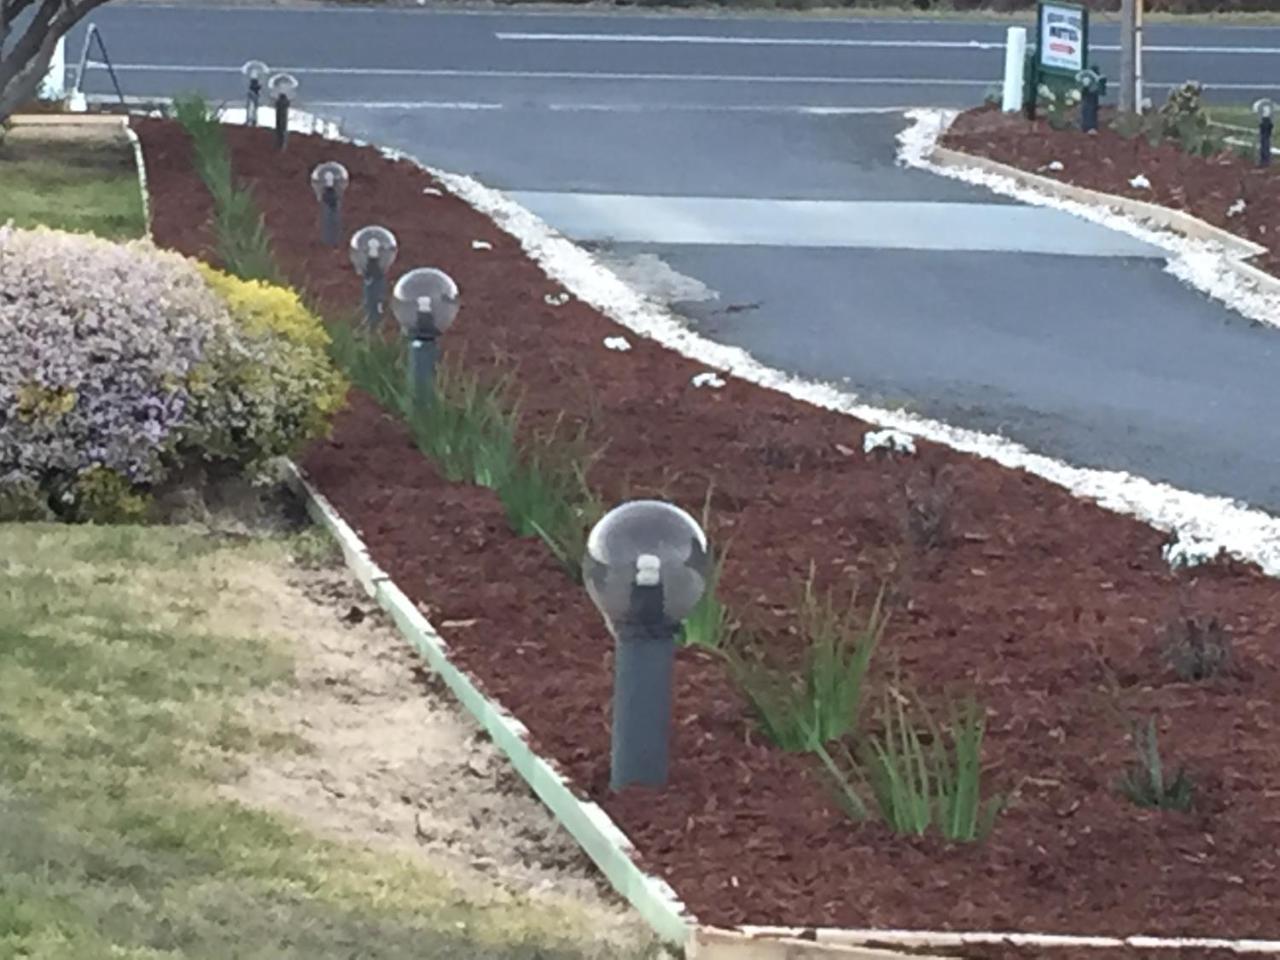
(124, 362)
(100, 342)
(274, 386)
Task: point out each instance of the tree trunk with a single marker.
(24, 64)
(1128, 54)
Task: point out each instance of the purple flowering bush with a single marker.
(119, 363)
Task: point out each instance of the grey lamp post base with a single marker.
(644, 657)
(375, 291)
(422, 369)
(282, 121)
(1089, 111)
(330, 217)
(251, 107)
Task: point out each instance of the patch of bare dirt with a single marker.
(387, 761)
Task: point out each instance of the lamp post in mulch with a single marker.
(282, 86)
(1093, 87)
(425, 302)
(255, 70)
(329, 182)
(645, 569)
(373, 251)
(1264, 108)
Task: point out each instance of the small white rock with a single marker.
(617, 343)
(1140, 182)
(432, 192)
(1054, 165)
(481, 245)
(891, 441)
(708, 379)
(1236, 208)
(556, 299)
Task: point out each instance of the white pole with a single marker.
(54, 85)
(1015, 59)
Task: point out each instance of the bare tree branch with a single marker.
(9, 12)
(24, 65)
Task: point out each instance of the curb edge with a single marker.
(1164, 217)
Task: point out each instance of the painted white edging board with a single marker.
(321, 510)
(141, 163)
(784, 944)
(943, 940)
(589, 825)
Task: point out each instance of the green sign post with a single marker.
(1061, 51)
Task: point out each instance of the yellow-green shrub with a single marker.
(100, 495)
(269, 388)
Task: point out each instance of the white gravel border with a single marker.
(1210, 521)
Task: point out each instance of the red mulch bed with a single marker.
(1048, 608)
(1205, 187)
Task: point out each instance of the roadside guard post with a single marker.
(373, 251)
(645, 569)
(329, 182)
(282, 86)
(1264, 108)
(1061, 50)
(425, 302)
(255, 70)
(1015, 65)
(1093, 87)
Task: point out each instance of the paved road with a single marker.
(745, 167)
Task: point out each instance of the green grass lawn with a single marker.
(123, 653)
(70, 184)
(1238, 115)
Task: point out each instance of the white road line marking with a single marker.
(748, 41)
(722, 40)
(410, 104)
(463, 105)
(653, 77)
(561, 75)
(808, 110)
